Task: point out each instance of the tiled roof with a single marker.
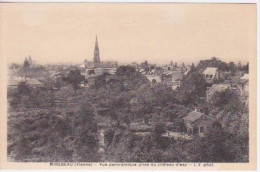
(193, 116)
(218, 87)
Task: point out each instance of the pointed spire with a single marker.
(96, 45)
(96, 55)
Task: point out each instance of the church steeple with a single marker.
(96, 45)
(96, 54)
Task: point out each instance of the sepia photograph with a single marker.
(157, 83)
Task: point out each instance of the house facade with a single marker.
(243, 86)
(210, 74)
(170, 77)
(196, 123)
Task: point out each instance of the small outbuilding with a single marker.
(196, 123)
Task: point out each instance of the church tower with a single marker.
(96, 55)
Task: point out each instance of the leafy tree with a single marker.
(26, 67)
(215, 62)
(118, 109)
(174, 111)
(150, 100)
(60, 133)
(85, 131)
(145, 65)
(130, 78)
(215, 147)
(228, 100)
(245, 68)
(53, 136)
(40, 97)
(26, 64)
(75, 78)
(23, 88)
(101, 81)
(192, 67)
(192, 88)
(232, 68)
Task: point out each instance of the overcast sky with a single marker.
(157, 32)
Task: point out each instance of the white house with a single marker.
(244, 84)
(210, 73)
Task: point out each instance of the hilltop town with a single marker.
(140, 112)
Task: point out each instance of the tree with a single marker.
(26, 64)
(23, 88)
(75, 78)
(150, 101)
(229, 101)
(213, 62)
(192, 67)
(234, 117)
(85, 133)
(245, 68)
(216, 146)
(26, 67)
(118, 109)
(145, 66)
(232, 68)
(54, 135)
(173, 113)
(159, 129)
(130, 78)
(31, 136)
(192, 88)
(101, 81)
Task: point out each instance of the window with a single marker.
(201, 129)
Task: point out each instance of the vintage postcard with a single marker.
(158, 86)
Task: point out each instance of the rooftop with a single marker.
(193, 116)
(218, 87)
(16, 80)
(245, 76)
(210, 71)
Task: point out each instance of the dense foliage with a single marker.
(58, 125)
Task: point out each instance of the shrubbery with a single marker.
(68, 130)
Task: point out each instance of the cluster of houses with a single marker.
(15, 75)
(172, 75)
(239, 84)
(196, 122)
(15, 80)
